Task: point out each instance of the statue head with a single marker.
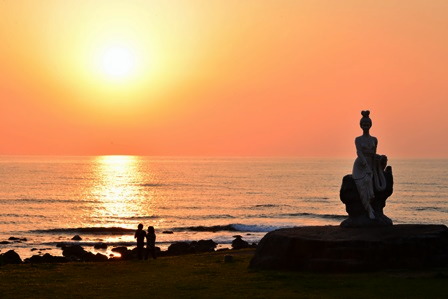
(365, 123)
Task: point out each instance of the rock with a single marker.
(46, 259)
(101, 257)
(335, 248)
(77, 238)
(120, 250)
(203, 246)
(34, 249)
(11, 257)
(61, 245)
(4, 242)
(100, 246)
(180, 248)
(239, 243)
(13, 239)
(73, 251)
(357, 214)
(76, 252)
(168, 232)
(90, 257)
(124, 252)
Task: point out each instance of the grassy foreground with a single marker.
(207, 276)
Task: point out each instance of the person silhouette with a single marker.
(140, 235)
(150, 243)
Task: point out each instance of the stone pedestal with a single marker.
(335, 248)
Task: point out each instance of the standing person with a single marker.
(140, 235)
(150, 243)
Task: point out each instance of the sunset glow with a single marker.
(219, 78)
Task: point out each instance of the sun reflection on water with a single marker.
(118, 189)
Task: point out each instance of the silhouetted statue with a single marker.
(366, 190)
(150, 243)
(140, 235)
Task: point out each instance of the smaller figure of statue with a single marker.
(373, 181)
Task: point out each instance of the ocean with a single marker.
(48, 200)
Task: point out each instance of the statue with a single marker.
(371, 183)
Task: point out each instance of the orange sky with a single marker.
(285, 78)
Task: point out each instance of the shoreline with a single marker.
(77, 250)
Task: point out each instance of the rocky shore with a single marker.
(77, 253)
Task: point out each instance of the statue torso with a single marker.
(367, 146)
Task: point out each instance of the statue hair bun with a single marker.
(365, 113)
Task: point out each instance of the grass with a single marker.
(207, 276)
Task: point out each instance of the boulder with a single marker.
(203, 246)
(357, 215)
(100, 246)
(11, 257)
(76, 238)
(46, 259)
(120, 250)
(239, 243)
(180, 248)
(100, 257)
(200, 246)
(76, 252)
(90, 257)
(124, 252)
(335, 248)
(73, 251)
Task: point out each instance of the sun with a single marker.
(117, 62)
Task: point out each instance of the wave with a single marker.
(88, 230)
(439, 209)
(152, 185)
(268, 206)
(22, 216)
(44, 200)
(224, 216)
(325, 216)
(147, 217)
(231, 228)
